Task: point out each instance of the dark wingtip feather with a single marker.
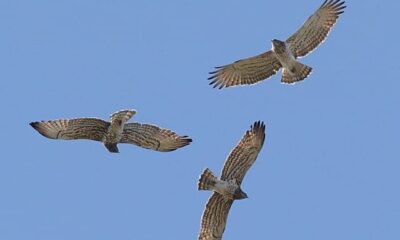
(34, 124)
(182, 142)
(41, 128)
(339, 8)
(333, 3)
(215, 83)
(257, 126)
(215, 80)
(217, 70)
(37, 127)
(187, 139)
(212, 77)
(340, 4)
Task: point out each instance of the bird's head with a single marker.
(239, 194)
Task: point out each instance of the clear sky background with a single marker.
(329, 168)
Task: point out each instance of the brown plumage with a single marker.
(315, 30)
(68, 129)
(206, 180)
(255, 69)
(113, 132)
(152, 137)
(227, 189)
(214, 217)
(246, 71)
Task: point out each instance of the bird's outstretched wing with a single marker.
(315, 30)
(244, 154)
(78, 128)
(153, 137)
(214, 217)
(245, 71)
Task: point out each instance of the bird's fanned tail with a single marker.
(207, 180)
(298, 73)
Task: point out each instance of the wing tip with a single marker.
(215, 81)
(34, 124)
(258, 128)
(181, 142)
(37, 126)
(212, 76)
(41, 127)
(187, 139)
(335, 4)
(215, 78)
(258, 125)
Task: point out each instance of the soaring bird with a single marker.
(113, 132)
(284, 54)
(227, 189)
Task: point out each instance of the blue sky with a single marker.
(329, 166)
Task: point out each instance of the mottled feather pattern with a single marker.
(153, 137)
(244, 154)
(214, 217)
(69, 129)
(316, 29)
(245, 71)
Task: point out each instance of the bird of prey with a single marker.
(284, 54)
(113, 132)
(227, 189)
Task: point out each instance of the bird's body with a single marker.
(284, 54)
(227, 188)
(116, 128)
(292, 70)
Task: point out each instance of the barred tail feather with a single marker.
(298, 72)
(207, 180)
